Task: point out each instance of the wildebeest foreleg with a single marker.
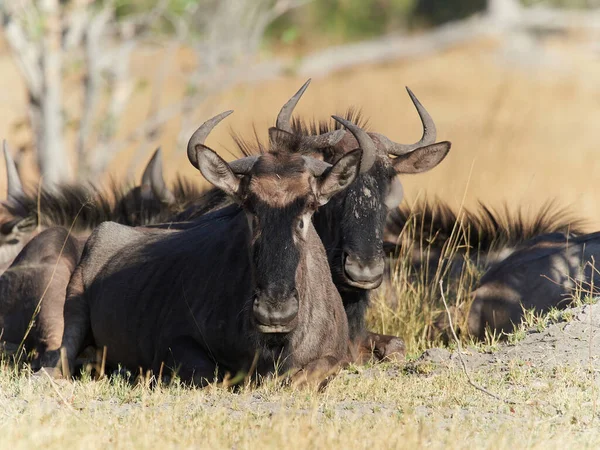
(50, 321)
(368, 344)
(77, 328)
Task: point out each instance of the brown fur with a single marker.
(277, 191)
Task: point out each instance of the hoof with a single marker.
(394, 350)
(381, 347)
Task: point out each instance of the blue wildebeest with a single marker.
(33, 288)
(441, 244)
(351, 225)
(549, 272)
(249, 279)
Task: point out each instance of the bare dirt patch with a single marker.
(574, 341)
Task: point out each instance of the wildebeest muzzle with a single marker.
(275, 310)
(363, 274)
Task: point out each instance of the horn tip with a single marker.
(343, 121)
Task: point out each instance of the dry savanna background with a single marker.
(522, 111)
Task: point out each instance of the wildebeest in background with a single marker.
(251, 278)
(81, 207)
(33, 288)
(482, 236)
(546, 273)
(351, 225)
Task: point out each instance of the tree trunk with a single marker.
(55, 165)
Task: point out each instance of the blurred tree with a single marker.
(48, 36)
(343, 20)
(435, 12)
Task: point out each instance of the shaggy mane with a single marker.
(91, 205)
(488, 228)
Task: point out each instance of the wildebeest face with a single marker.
(365, 205)
(355, 245)
(279, 192)
(358, 259)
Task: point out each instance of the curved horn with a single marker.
(243, 166)
(315, 166)
(364, 142)
(285, 115)
(14, 186)
(153, 180)
(429, 132)
(284, 123)
(201, 134)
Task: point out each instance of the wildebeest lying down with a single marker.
(249, 279)
(547, 273)
(33, 288)
(351, 226)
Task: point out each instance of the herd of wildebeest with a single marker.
(271, 270)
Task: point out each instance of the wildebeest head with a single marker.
(352, 224)
(148, 200)
(279, 191)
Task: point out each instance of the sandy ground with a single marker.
(572, 342)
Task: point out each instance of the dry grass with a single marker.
(381, 407)
(409, 302)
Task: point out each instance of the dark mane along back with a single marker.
(91, 206)
(62, 204)
(483, 229)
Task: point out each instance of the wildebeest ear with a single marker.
(216, 170)
(395, 195)
(339, 176)
(422, 159)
